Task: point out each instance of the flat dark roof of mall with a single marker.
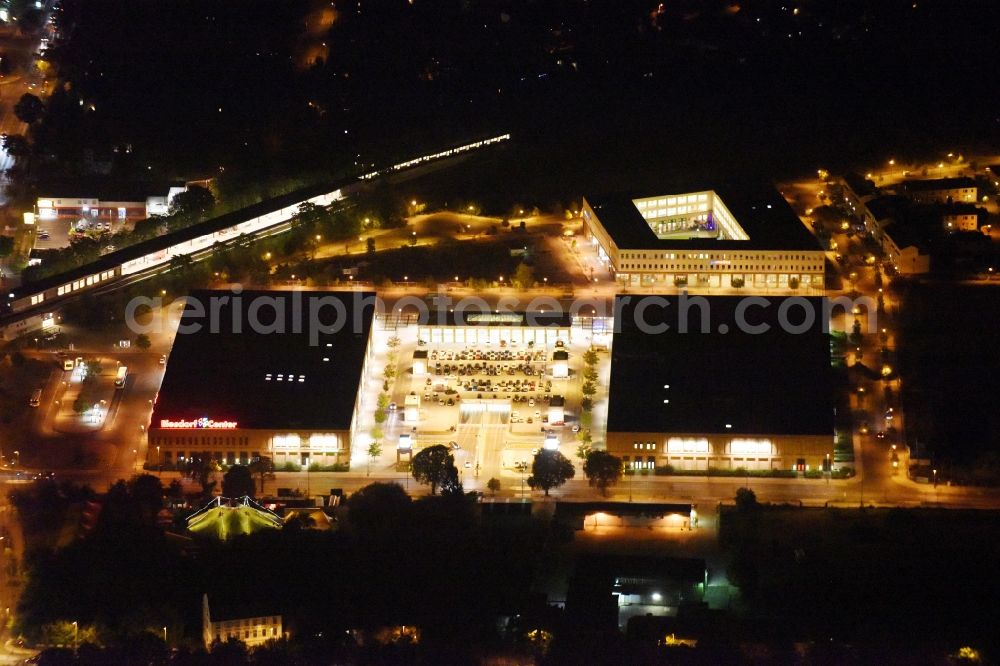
(774, 383)
(232, 375)
(763, 213)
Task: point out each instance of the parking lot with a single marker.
(55, 234)
(516, 375)
(51, 234)
(487, 397)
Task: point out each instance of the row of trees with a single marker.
(435, 466)
(382, 405)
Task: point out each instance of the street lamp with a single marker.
(76, 629)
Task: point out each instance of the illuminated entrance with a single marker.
(484, 412)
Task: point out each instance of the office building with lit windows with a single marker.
(231, 393)
(705, 239)
(716, 396)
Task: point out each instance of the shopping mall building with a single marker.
(705, 392)
(717, 396)
(287, 389)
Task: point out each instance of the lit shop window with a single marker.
(751, 447)
(687, 445)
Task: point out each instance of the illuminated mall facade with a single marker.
(717, 399)
(226, 443)
(703, 451)
(232, 396)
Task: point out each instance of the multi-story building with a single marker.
(941, 190)
(234, 623)
(856, 191)
(907, 230)
(960, 217)
(234, 390)
(709, 392)
(877, 213)
(705, 239)
(906, 248)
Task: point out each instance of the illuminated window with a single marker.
(327, 441)
(754, 447)
(287, 441)
(687, 445)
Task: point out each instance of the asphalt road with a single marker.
(114, 444)
(702, 491)
(25, 78)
